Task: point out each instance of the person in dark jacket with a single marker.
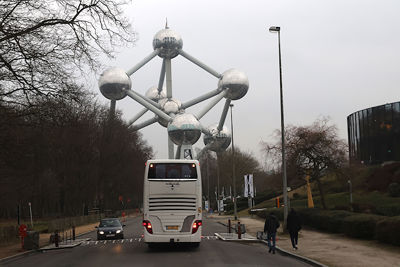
(270, 227)
(293, 227)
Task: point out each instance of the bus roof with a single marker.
(173, 161)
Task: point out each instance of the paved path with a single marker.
(132, 251)
(334, 250)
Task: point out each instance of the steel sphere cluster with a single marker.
(184, 128)
(169, 42)
(235, 82)
(216, 140)
(153, 94)
(113, 82)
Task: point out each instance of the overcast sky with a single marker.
(338, 57)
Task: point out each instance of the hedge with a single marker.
(8, 233)
(361, 225)
(365, 226)
(388, 230)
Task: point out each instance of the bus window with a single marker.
(172, 171)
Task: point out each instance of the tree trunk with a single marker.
(321, 193)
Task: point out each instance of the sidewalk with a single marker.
(334, 250)
(14, 249)
(8, 250)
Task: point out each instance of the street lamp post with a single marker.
(233, 169)
(274, 29)
(351, 194)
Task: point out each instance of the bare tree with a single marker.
(45, 44)
(63, 155)
(311, 150)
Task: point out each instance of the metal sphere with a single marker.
(235, 82)
(153, 94)
(170, 105)
(184, 129)
(217, 141)
(113, 82)
(169, 42)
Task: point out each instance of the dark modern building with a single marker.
(374, 134)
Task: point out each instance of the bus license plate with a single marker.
(172, 227)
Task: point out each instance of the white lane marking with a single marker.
(105, 242)
(208, 237)
(136, 239)
(131, 240)
(140, 239)
(113, 241)
(96, 242)
(122, 241)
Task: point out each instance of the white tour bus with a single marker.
(172, 203)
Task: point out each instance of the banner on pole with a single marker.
(248, 185)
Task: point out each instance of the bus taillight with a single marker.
(196, 226)
(148, 226)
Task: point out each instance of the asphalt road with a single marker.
(132, 251)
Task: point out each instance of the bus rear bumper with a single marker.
(189, 238)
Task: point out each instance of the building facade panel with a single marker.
(374, 134)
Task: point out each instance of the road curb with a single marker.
(280, 250)
(243, 240)
(299, 257)
(59, 247)
(17, 256)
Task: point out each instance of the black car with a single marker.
(110, 228)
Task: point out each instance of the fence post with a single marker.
(56, 238)
(239, 231)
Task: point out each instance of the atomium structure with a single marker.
(184, 129)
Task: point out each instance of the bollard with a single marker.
(229, 226)
(73, 232)
(239, 231)
(56, 238)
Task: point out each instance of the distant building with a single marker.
(374, 134)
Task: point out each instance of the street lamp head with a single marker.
(274, 29)
(231, 105)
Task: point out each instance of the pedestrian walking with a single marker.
(293, 227)
(270, 227)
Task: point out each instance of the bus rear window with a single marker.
(172, 171)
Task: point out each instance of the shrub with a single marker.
(363, 208)
(361, 225)
(296, 196)
(366, 226)
(326, 220)
(8, 234)
(388, 230)
(394, 190)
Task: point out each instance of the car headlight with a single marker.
(118, 231)
(101, 232)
